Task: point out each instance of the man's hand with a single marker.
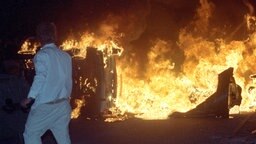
(26, 102)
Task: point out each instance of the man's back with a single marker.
(54, 74)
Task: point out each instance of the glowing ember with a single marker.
(29, 64)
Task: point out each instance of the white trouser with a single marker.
(54, 117)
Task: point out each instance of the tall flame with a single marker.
(161, 91)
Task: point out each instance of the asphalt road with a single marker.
(199, 130)
(172, 131)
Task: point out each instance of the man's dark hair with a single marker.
(46, 32)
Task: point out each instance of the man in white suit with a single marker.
(50, 90)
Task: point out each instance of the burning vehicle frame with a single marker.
(94, 78)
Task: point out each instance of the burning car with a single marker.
(94, 77)
(93, 83)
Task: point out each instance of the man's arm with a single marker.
(40, 62)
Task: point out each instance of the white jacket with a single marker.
(53, 79)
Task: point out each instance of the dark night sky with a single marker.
(142, 20)
(20, 17)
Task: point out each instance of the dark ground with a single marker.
(171, 131)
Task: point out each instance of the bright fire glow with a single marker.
(29, 47)
(158, 90)
(90, 40)
(76, 111)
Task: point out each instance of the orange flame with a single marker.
(29, 47)
(76, 111)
